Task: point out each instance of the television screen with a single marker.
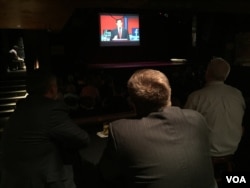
(119, 29)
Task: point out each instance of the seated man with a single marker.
(38, 137)
(164, 146)
(16, 62)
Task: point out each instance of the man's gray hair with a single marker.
(218, 69)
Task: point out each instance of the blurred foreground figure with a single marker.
(163, 147)
(37, 136)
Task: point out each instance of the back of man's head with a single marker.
(218, 69)
(149, 90)
(39, 82)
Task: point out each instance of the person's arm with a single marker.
(64, 130)
(20, 59)
(190, 103)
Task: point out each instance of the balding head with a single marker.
(217, 70)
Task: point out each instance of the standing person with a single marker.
(164, 146)
(37, 135)
(16, 62)
(223, 107)
(119, 32)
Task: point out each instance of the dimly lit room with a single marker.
(94, 49)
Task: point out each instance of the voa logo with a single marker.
(236, 179)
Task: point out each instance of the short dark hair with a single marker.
(118, 20)
(149, 90)
(39, 81)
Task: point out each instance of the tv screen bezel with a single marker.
(118, 43)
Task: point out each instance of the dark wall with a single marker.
(164, 34)
(162, 37)
(37, 48)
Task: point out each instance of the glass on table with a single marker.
(105, 129)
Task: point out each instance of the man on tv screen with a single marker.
(119, 33)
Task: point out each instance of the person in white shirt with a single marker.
(16, 62)
(223, 106)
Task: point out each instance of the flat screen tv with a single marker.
(118, 29)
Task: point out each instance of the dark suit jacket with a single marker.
(32, 142)
(167, 149)
(125, 34)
